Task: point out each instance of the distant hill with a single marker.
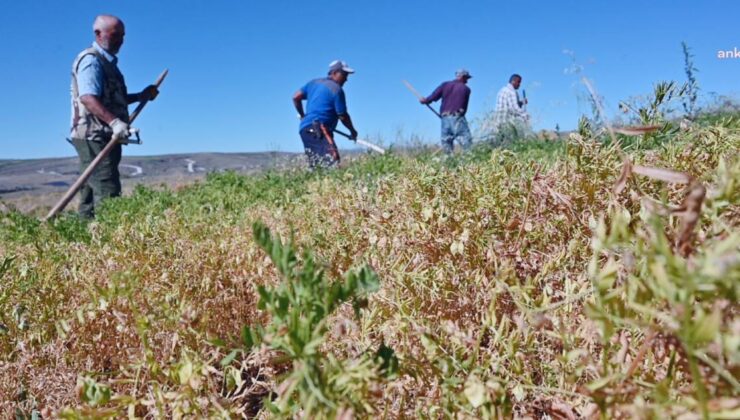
(28, 184)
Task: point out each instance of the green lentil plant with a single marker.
(665, 303)
(319, 384)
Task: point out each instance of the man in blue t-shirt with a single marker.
(325, 105)
(455, 95)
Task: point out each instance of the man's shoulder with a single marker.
(85, 54)
(457, 85)
(329, 84)
(87, 59)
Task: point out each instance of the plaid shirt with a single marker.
(508, 109)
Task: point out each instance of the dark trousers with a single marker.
(319, 151)
(105, 181)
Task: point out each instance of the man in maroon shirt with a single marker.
(455, 95)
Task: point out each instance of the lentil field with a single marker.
(588, 277)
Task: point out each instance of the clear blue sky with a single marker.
(234, 65)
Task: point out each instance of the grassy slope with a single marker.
(487, 270)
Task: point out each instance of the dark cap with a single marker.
(463, 73)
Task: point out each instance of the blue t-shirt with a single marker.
(324, 103)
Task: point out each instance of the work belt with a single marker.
(458, 113)
(320, 130)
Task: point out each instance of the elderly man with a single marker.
(100, 111)
(455, 95)
(510, 120)
(325, 105)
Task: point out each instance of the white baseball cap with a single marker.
(340, 65)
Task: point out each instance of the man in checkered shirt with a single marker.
(510, 120)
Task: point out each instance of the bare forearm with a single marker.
(347, 121)
(93, 104)
(298, 103)
(149, 93)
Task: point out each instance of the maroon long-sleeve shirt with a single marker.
(455, 95)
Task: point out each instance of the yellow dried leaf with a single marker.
(475, 391)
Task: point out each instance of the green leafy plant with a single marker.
(656, 108)
(300, 308)
(644, 286)
(692, 85)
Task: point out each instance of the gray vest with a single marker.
(85, 125)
